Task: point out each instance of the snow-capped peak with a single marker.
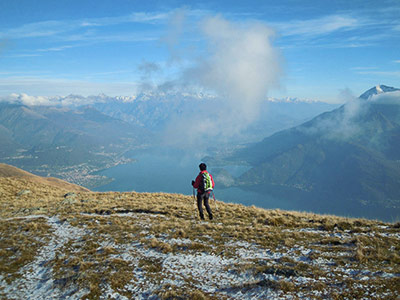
(379, 89)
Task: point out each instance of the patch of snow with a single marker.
(255, 253)
(383, 226)
(309, 230)
(209, 272)
(109, 293)
(175, 241)
(301, 280)
(37, 280)
(323, 261)
(395, 235)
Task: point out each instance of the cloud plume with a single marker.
(239, 65)
(392, 98)
(242, 63)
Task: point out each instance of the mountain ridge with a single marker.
(378, 89)
(349, 156)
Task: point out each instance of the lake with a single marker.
(172, 172)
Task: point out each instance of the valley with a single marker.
(343, 161)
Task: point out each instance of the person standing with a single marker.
(204, 184)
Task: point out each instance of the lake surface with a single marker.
(173, 172)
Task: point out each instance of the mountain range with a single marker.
(157, 111)
(51, 140)
(346, 161)
(71, 137)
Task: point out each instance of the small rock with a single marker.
(70, 195)
(23, 192)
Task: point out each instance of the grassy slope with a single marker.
(10, 171)
(90, 245)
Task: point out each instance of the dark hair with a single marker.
(203, 167)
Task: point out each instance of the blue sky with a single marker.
(317, 49)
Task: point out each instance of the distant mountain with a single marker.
(161, 111)
(158, 111)
(50, 140)
(153, 111)
(346, 161)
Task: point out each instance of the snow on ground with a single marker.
(209, 272)
(36, 281)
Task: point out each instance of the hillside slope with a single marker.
(57, 245)
(13, 172)
(346, 161)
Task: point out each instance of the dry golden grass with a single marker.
(19, 244)
(10, 171)
(97, 258)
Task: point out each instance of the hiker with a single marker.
(204, 184)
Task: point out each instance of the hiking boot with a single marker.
(211, 217)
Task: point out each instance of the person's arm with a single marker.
(196, 184)
(212, 180)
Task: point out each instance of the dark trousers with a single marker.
(203, 197)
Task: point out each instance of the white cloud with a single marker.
(60, 28)
(345, 124)
(240, 66)
(26, 99)
(38, 29)
(69, 100)
(386, 98)
(345, 30)
(320, 26)
(340, 125)
(59, 48)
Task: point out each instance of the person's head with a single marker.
(203, 167)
